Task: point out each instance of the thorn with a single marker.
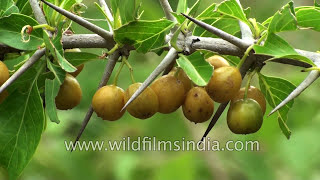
(170, 57)
(314, 75)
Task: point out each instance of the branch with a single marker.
(167, 10)
(224, 35)
(33, 59)
(92, 27)
(170, 57)
(108, 13)
(246, 33)
(105, 78)
(37, 11)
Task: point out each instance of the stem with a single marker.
(106, 13)
(250, 76)
(116, 47)
(115, 82)
(311, 69)
(46, 26)
(177, 72)
(130, 69)
(246, 54)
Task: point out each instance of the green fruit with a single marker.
(224, 84)
(253, 93)
(217, 62)
(145, 105)
(198, 106)
(69, 95)
(170, 92)
(4, 73)
(183, 77)
(108, 102)
(245, 116)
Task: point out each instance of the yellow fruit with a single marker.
(198, 106)
(78, 71)
(183, 77)
(69, 95)
(224, 84)
(253, 93)
(145, 105)
(170, 92)
(4, 73)
(217, 61)
(108, 102)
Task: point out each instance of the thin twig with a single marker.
(106, 9)
(90, 26)
(167, 10)
(33, 59)
(37, 11)
(170, 57)
(224, 35)
(105, 78)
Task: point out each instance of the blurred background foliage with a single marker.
(278, 157)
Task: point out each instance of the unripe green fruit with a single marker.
(245, 117)
(170, 92)
(4, 73)
(69, 95)
(198, 106)
(108, 102)
(145, 105)
(224, 84)
(78, 71)
(217, 61)
(183, 77)
(253, 93)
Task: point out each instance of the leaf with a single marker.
(233, 9)
(21, 124)
(278, 48)
(51, 91)
(56, 54)
(144, 35)
(209, 13)
(275, 91)
(127, 9)
(196, 67)
(78, 58)
(193, 10)
(309, 17)
(7, 7)
(10, 32)
(24, 7)
(59, 73)
(180, 18)
(182, 6)
(283, 20)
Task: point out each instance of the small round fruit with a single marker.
(4, 73)
(245, 116)
(69, 95)
(183, 77)
(224, 84)
(108, 102)
(253, 93)
(78, 71)
(198, 106)
(145, 105)
(170, 92)
(217, 61)
(3, 96)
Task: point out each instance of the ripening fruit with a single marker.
(217, 61)
(108, 102)
(170, 92)
(224, 84)
(78, 71)
(4, 73)
(198, 106)
(145, 105)
(3, 96)
(70, 94)
(183, 77)
(245, 116)
(253, 93)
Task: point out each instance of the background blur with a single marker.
(278, 158)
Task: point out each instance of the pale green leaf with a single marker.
(283, 20)
(309, 17)
(51, 91)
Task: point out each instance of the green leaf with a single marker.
(180, 18)
(7, 7)
(21, 124)
(275, 91)
(309, 17)
(182, 6)
(278, 48)
(283, 20)
(196, 67)
(56, 54)
(54, 18)
(78, 58)
(51, 91)
(143, 35)
(126, 8)
(24, 7)
(193, 10)
(233, 9)
(316, 3)
(58, 72)
(209, 13)
(10, 32)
